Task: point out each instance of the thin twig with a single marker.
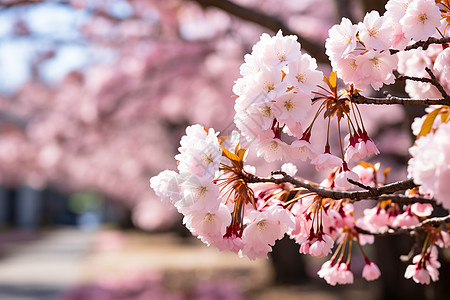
(436, 83)
(432, 80)
(359, 184)
(419, 79)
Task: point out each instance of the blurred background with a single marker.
(94, 97)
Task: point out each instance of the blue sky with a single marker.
(50, 24)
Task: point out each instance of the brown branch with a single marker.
(360, 99)
(433, 80)
(424, 44)
(266, 21)
(402, 199)
(436, 221)
(10, 4)
(337, 195)
(436, 83)
(419, 79)
(359, 184)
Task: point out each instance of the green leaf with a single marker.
(428, 123)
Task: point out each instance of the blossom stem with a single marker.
(354, 114)
(349, 254)
(366, 259)
(336, 252)
(340, 140)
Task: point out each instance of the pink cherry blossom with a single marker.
(342, 39)
(371, 271)
(425, 267)
(302, 149)
(302, 73)
(375, 68)
(422, 209)
(321, 246)
(375, 31)
(396, 9)
(405, 219)
(345, 275)
(289, 168)
(365, 174)
(281, 50)
(326, 161)
(341, 179)
(421, 19)
(419, 275)
(263, 229)
(329, 271)
(273, 149)
(428, 165)
(208, 226)
(442, 63)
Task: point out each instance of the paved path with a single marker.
(44, 267)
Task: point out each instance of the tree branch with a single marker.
(402, 199)
(436, 83)
(267, 21)
(360, 99)
(337, 195)
(436, 221)
(433, 80)
(9, 4)
(424, 44)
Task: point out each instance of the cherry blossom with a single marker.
(342, 40)
(375, 32)
(421, 19)
(371, 271)
(285, 110)
(428, 165)
(424, 268)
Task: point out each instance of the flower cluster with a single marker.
(217, 205)
(274, 95)
(360, 53)
(280, 98)
(436, 58)
(429, 165)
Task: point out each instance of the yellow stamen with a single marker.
(261, 225)
(266, 111)
(301, 78)
(373, 31)
(422, 18)
(209, 217)
(288, 105)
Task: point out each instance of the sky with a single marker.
(50, 24)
